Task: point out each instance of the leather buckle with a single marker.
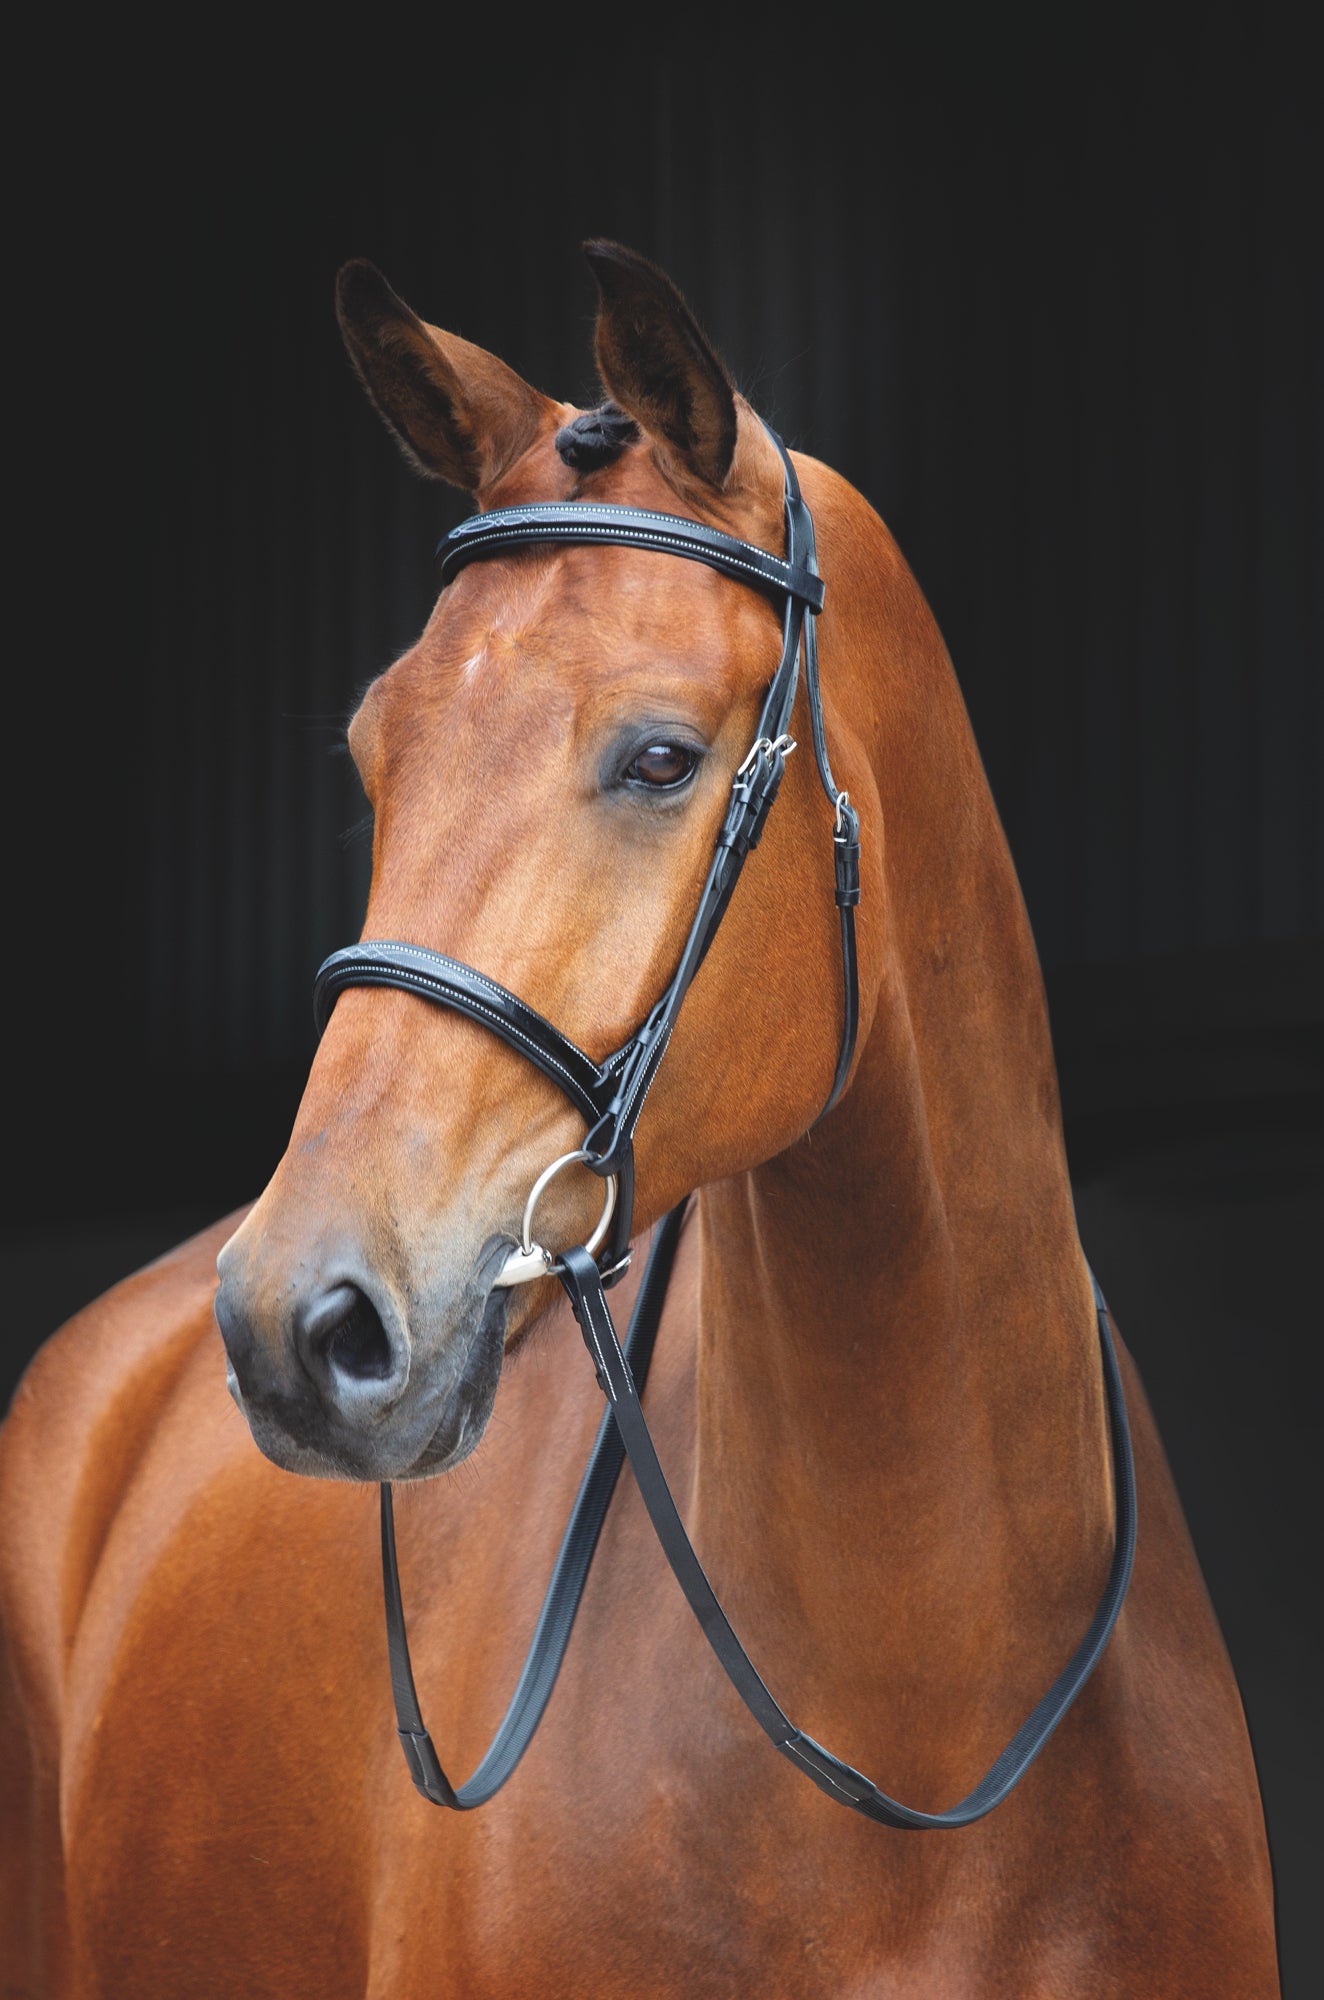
(828, 1772)
(846, 853)
(753, 790)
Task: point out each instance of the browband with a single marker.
(590, 521)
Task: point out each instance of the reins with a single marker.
(610, 1097)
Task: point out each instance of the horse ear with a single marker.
(658, 365)
(457, 412)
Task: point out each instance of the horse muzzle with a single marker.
(338, 1378)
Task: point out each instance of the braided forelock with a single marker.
(597, 437)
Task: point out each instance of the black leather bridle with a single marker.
(610, 1096)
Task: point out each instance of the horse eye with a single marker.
(663, 766)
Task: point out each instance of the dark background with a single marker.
(1048, 290)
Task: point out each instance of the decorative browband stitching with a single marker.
(585, 522)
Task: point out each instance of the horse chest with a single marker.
(237, 1817)
(675, 1897)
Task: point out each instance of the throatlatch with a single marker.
(610, 1097)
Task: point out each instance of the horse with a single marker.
(877, 1388)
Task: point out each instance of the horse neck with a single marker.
(902, 1467)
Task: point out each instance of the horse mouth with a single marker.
(469, 1405)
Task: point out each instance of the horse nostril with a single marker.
(341, 1335)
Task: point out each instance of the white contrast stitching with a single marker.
(541, 1054)
(589, 530)
(720, 549)
(502, 992)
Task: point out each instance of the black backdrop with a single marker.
(1047, 289)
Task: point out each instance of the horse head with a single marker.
(548, 768)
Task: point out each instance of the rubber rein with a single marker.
(610, 1096)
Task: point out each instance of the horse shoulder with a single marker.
(79, 1422)
(79, 1425)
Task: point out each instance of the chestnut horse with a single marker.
(877, 1388)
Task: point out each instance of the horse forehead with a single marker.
(560, 629)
